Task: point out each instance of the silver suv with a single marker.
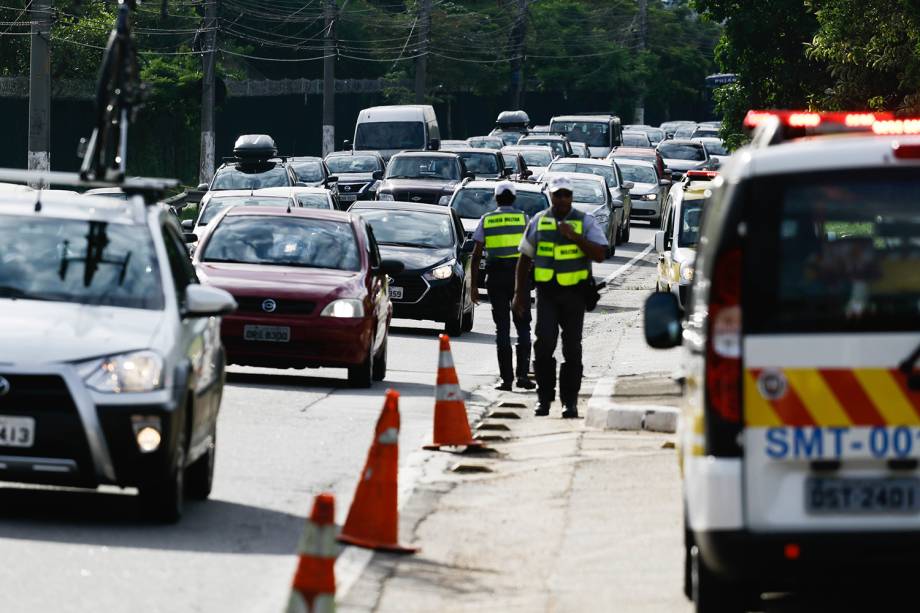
(111, 366)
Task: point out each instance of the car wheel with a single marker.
(712, 594)
(163, 497)
(655, 223)
(454, 327)
(468, 319)
(380, 363)
(199, 477)
(362, 375)
(626, 233)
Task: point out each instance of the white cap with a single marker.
(505, 187)
(558, 183)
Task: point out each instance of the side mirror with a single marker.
(714, 162)
(207, 301)
(508, 171)
(468, 175)
(434, 144)
(346, 144)
(660, 242)
(390, 267)
(527, 173)
(189, 237)
(468, 246)
(188, 224)
(203, 187)
(664, 182)
(628, 185)
(668, 173)
(661, 321)
(332, 179)
(378, 175)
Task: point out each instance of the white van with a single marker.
(391, 129)
(599, 133)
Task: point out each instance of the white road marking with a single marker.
(616, 273)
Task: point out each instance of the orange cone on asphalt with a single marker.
(313, 589)
(373, 520)
(451, 426)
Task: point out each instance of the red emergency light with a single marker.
(896, 127)
(705, 175)
(814, 119)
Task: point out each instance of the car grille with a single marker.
(36, 393)
(351, 188)
(414, 288)
(416, 196)
(254, 304)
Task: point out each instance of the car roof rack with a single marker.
(152, 189)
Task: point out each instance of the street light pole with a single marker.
(421, 62)
(208, 69)
(39, 156)
(329, 53)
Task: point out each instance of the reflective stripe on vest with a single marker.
(503, 232)
(556, 255)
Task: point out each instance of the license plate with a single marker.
(348, 197)
(270, 334)
(863, 496)
(396, 293)
(17, 431)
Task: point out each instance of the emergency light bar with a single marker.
(834, 120)
(897, 127)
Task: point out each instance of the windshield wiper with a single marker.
(228, 261)
(403, 177)
(907, 367)
(403, 244)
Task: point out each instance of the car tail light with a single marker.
(723, 356)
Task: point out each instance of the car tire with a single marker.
(163, 497)
(454, 327)
(362, 375)
(199, 478)
(380, 363)
(468, 319)
(712, 594)
(626, 232)
(655, 223)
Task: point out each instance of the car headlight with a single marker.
(138, 371)
(388, 197)
(650, 197)
(444, 271)
(345, 307)
(444, 200)
(686, 272)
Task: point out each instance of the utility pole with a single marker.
(39, 157)
(329, 52)
(208, 69)
(421, 62)
(639, 114)
(518, 35)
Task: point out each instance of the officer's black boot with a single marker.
(505, 368)
(523, 362)
(545, 371)
(569, 386)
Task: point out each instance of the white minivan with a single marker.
(391, 129)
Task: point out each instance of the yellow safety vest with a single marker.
(557, 256)
(503, 232)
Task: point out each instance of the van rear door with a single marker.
(831, 304)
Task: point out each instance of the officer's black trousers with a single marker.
(559, 308)
(500, 285)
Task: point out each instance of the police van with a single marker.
(800, 431)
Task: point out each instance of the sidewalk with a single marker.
(563, 518)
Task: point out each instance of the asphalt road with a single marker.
(284, 436)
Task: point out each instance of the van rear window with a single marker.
(837, 252)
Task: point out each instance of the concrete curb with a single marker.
(606, 414)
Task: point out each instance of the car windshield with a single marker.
(636, 140)
(84, 262)
(557, 146)
(655, 135)
(314, 201)
(483, 164)
(485, 143)
(691, 213)
(472, 203)
(591, 133)
(585, 191)
(537, 158)
(344, 164)
(284, 241)
(251, 177)
(410, 228)
(308, 172)
(684, 131)
(705, 133)
(682, 152)
(715, 148)
(511, 161)
(605, 171)
(215, 205)
(509, 138)
(638, 174)
(837, 252)
(418, 167)
(373, 136)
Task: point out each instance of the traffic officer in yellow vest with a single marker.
(500, 232)
(558, 246)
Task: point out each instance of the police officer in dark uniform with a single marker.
(558, 247)
(499, 233)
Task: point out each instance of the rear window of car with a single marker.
(837, 252)
(283, 241)
(251, 177)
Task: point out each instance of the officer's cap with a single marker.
(560, 183)
(505, 187)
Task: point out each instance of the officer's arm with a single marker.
(474, 268)
(594, 251)
(522, 274)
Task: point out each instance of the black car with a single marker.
(312, 171)
(482, 163)
(359, 174)
(429, 241)
(422, 176)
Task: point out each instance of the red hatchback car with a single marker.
(311, 289)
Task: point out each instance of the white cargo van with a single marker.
(391, 129)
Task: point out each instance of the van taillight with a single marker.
(723, 355)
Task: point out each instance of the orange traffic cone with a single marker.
(451, 426)
(373, 520)
(313, 590)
